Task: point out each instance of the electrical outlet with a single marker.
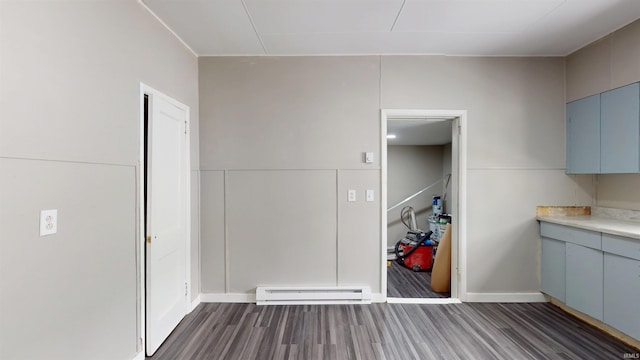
(48, 222)
(351, 195)
(369, 195)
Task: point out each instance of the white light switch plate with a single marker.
(368, 157)
(370, 195)
(351, 195)
(48, 222)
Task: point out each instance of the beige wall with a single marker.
(410, 169)
(69, 118)
(281, 143)
(318, 114)
(608, 63)
(289, 112)
(605, 64)
(618, 191)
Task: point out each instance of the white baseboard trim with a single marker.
(140, 356)
(381, 298)
(251, 298)
(428, 301)
(530, 297)
(195, 302)
(228, 298)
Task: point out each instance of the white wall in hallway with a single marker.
(410, 169)
(446, 169)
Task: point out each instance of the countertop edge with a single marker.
(600, 224)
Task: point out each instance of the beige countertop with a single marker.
(603, 224)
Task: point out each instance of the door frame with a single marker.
(141, 243)
(458, 180)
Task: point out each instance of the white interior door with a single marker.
(166, 282)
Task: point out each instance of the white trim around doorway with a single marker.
(459, 182)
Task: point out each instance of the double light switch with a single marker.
(352, 195)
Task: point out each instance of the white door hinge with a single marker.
(185, 289)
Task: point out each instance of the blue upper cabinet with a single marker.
(583, 136)
(620, 130)
(603, 132)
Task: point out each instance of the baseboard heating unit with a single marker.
(279, 295)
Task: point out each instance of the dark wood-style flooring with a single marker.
(405, 283)
(387, 331)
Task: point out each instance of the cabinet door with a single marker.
(620, 130)
(584, 278)
(583, 136)
(622, 294)
(552, 276)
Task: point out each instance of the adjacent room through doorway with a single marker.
(418, 187)
(421, 180)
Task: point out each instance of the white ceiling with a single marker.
(354, 27)
(419, 131)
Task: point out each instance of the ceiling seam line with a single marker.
(526, 28)
(398, 15)
(253, 25)
(180, 39)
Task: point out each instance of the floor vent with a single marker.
(272, 295)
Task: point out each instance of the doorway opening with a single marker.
(423, 157)
(164, 217)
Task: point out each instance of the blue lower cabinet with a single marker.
(584, 280)
(552, 280)
(596, 274)
(622, 294)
